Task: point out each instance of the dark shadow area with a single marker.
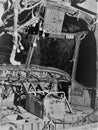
(5, 48)
(86, 66)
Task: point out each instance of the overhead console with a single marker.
(58, 16)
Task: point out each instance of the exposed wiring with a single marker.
(83, 36)
(27, 8)
(25, 17)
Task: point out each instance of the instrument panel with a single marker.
(36, 79)
(34, 73)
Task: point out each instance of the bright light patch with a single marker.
(1, 12)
